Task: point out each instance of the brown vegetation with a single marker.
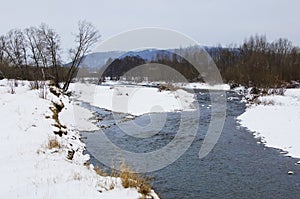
(131, 179)
(259, 63)
(53, 143)
(166, 87)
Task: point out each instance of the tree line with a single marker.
(164, 67)
(35, 53)
(257, 62)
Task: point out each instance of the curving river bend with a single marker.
(238, 166)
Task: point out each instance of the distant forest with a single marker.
(256, 62)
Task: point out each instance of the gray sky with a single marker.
(209, 22)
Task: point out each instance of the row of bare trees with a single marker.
(259, 62)
(35, 53)
(256, 62)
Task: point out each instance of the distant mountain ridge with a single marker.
(149, 54)
(98, 59)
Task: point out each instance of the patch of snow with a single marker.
(194, 85)
(276, 120)
(291, 173)
(133, 99)
(204, 86)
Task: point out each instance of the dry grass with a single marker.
(131, 179)
(53, 143)
(99, 171)
(112, 186)
(167, 87)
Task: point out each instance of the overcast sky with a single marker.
(209, 22)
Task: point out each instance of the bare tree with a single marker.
(49, 50)
(34, 43)
(15, 47)
(2, 54)
(86, 37)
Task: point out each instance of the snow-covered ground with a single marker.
(30, 168)
(199, 85)
(133, 99)
(185, 85)
(276, 120)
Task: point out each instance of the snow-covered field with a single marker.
(277, 121)
(30, 167)
(133, 99)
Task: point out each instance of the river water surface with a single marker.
(239, 166)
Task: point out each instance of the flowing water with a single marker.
(239, 166)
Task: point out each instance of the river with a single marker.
(239, 166)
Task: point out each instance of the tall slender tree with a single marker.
(86, 37)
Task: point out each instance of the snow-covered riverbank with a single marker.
(185, 85)
(276, 119)
(36, 163)
(133, 99)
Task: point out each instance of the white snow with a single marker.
(29, 169)
(185, 85)
(205, 86)
(277, 121)
(133, 99)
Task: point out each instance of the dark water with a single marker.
(237, 167)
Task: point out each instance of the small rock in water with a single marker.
(290, 172)
(298, 162)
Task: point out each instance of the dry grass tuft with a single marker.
(112, 186)
(53, 143)
(131, 179)
(167, 87)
